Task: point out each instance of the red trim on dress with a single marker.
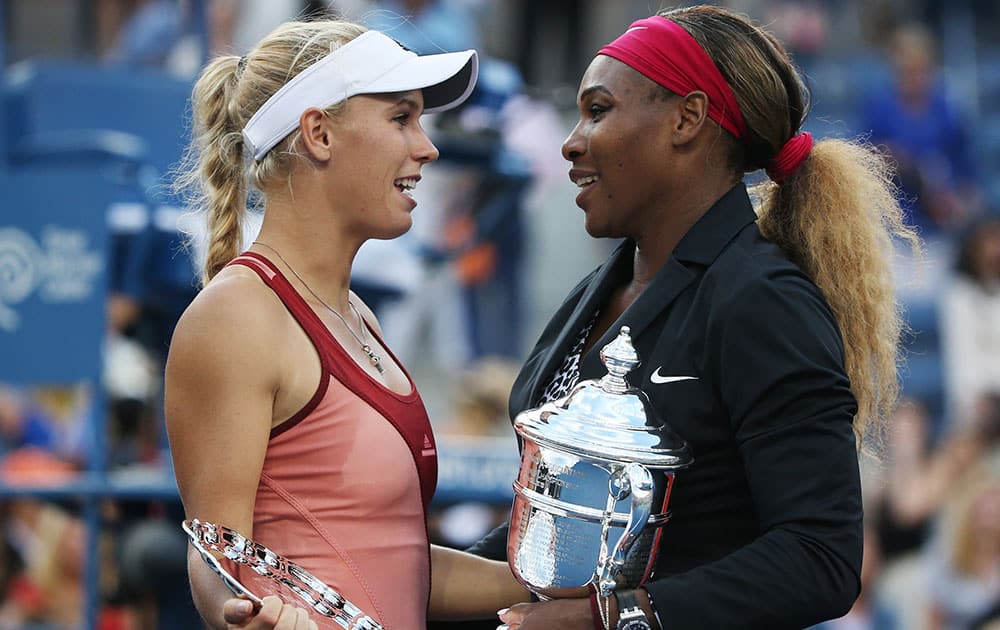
(406, 413)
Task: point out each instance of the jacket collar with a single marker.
(716, 228)
(702, 244)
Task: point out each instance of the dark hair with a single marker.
(964, 261)
(772, 98)
(835, 216)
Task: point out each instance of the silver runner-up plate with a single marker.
(208, 537)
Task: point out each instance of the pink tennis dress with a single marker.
(347, 480)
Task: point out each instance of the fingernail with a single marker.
(244, 607)
(502, 612)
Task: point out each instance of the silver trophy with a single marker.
(208, 537)
(591, 495)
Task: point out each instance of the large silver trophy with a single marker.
(326, 602)
(591, 495)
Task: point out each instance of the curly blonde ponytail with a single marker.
(835, 217)
(214, 175)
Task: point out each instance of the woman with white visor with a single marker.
(289, 419)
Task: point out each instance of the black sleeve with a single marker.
(777, 357)
(494, 545)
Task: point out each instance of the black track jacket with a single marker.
(767, 523)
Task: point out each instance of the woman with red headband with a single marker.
(777, 308)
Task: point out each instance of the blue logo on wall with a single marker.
(60, 267)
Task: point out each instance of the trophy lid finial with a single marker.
(619, 358)
(607, 418)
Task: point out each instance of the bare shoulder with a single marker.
(235, 315)
(228, 343)
(223, 369)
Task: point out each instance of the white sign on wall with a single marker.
(60, 267)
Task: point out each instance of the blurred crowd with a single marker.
(453, 295)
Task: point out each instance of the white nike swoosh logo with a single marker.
(637, 28)
(657, 378)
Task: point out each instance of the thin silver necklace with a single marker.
(366, 347)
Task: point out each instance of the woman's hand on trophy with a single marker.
(273, 614)
(569, 614)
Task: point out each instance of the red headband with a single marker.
(661, 50)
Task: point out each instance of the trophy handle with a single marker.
(637, 480)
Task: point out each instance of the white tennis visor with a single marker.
(371, 63)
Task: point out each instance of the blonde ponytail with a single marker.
(220, 162)
(836, 218)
